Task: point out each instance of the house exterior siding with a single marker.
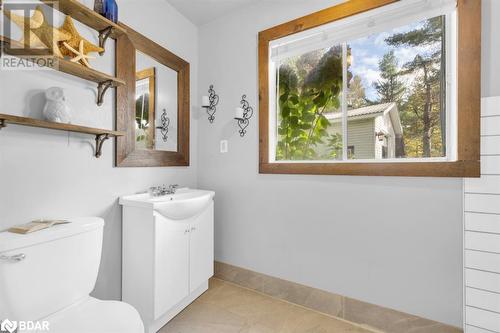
(360, 134)
(373, 133)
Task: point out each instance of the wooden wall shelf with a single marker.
(104, 81)
(101, 135)
(87, 16)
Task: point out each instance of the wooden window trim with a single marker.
(468, 92)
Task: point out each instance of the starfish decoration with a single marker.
(76, 40)
(41, 33)
(81, 57)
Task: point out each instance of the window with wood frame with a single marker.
(398, 80)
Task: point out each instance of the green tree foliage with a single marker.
(424, 108)
(430, 33)
(334, 144)
(304, 97)
(356, 96)
(305, 63)
(390, 88)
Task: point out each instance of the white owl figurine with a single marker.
(55, 108)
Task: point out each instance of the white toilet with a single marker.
(46, 277)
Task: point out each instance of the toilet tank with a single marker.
(59, 268)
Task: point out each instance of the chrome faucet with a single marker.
(158, 191)
(172, 189)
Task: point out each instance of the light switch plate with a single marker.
(223, 146)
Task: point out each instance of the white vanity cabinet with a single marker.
(201, 250)
(166, 262)
(184, 259)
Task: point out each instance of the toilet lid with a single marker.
(96, 316)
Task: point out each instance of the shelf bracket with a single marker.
(99, 140)
(101, 90)
(103, 37)
(2, 123)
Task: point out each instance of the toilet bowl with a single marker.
(46, 278)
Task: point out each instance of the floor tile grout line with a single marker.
(369, 328)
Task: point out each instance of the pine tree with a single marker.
(390, 88)
(429, 69)
(356, 96)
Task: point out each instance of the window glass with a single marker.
(309, 87)
(387, 91)
(396, 96)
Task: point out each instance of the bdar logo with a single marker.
(8, 326)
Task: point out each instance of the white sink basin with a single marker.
(182, 205)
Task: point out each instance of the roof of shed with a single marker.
(367, 110)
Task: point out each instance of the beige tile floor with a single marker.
(227, 308)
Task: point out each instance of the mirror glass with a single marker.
(155, 105)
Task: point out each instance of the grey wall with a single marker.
(395, 242)
(46, 173)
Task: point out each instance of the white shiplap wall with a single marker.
(482, 229)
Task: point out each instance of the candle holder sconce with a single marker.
(245, 113)
(211, 103)
(165, 123)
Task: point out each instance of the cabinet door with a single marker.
(171, 264)
(202, 248)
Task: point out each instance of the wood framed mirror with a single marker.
(153, 106)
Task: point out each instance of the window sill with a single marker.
(458, 169)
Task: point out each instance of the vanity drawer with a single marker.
(483, 319)
(484, 261)
(482, 280)
(482, 299)
(482, 241)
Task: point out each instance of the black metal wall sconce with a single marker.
(210, 102)
(243, 115)
(165, 123)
